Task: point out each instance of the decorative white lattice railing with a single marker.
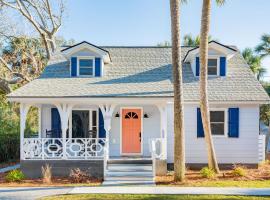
(52, 148)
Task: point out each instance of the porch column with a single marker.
(107, 111)
(163, 127)
(64, 110)
(23, 113)
(39, 121)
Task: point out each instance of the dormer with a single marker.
(218, 56)
(86, 59)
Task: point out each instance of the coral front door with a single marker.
(131, 131)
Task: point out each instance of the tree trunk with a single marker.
(205, 26)
(179, 139)
(46, 44)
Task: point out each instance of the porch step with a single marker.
(129, 172)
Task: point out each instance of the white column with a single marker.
(163, 127)
(107, 111)
(23, 113)
(64, 112)
(39, 121)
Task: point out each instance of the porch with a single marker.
(99, 136)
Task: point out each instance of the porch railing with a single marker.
(52, 148)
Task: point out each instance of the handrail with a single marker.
(153, 143)
(106, 158)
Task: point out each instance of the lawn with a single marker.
(151, 197)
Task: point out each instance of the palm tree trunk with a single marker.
(205, 26)
(179, 139)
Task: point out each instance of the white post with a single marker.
(64, 112)
(23, 113)
(39, 121)
(163, 127)
(107, 111)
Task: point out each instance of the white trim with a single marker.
(225, 122)
(218, 65)
(78, 65)
(131, 107)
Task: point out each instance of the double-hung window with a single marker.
(86, 67)
(213, 66)
(217, 122)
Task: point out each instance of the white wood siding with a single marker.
(229, 150)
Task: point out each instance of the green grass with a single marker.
(225, 183)
(151, 197)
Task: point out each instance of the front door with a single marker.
(131, 131)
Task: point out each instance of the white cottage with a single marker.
(109, 110)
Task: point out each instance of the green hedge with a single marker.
(9, 147)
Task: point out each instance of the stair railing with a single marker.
(156, 146)
(106, 157)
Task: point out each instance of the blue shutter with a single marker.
(101, 132)
(233, 122)
(55, 123)
(200, 132)
(222, 66)
(74, 66)
(197, 66)
(97, 67)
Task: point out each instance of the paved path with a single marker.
(9, 168)
(30, 193)
(172, 190)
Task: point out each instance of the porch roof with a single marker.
(142, 72)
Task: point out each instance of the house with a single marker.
(104, 107)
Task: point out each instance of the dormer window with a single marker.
(86, 66)
(213, 67)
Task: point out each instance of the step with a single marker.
(130, 167)
(129, 173)
(129, 178)
(129, 161)
(128, 183)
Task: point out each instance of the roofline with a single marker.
(86, 43)
(226, 46)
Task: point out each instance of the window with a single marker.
(131, 115)
(212, 66)
(86, 67)
(217, 121)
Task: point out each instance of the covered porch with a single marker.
(95, 129)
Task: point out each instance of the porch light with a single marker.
(145, 115)
(117, 115)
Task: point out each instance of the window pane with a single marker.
(86, 63)
(212, 70)
(86, 71)
(94, 116)
(217, 128)
(217, 116)
(212, 62)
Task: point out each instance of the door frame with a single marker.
(130, 154)
(90, 118)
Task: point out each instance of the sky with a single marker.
(147, 22)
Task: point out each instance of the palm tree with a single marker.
(191, 41)
(204, 104)
(254, 62)
(179, 139)
(264, 47)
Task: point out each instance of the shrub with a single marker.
(15, 175)
(207, 172)
(46, 174)
(78, 176)
(239, 171)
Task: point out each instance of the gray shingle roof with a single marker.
(143, 71)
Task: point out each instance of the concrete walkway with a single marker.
(9, 168)
(30, 193)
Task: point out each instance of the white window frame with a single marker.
(217, 57)
(78, 65)
(225, 122)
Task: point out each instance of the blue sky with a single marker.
(147, 22)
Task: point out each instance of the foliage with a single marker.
(15, 175)
(264, 47)
(265, 109)
(191, 41)
(78, 176)
(46, 174)
(239, 171)
(207, 172)
(164, 44)
(255, 62)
